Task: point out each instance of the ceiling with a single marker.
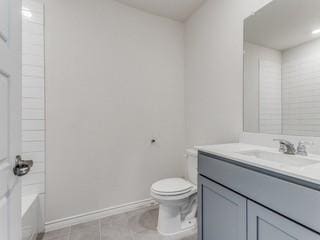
(175, 9)
(283, 24)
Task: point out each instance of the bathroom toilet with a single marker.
(178, 199)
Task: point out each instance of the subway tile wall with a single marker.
(301, 96)
(270, 109)
(33, 100)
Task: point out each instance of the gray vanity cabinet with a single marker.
(226, 215)
(264, 224)
(239, 203)
(222, 212)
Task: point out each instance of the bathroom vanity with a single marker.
(249, 192)
(252, 192)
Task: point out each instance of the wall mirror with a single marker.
(282, 69)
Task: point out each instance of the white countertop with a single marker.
(231, 151)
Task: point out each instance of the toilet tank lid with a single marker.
(192, 152)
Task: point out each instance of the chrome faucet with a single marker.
(286, 147)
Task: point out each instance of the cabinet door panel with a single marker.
(264, 224)
(223, 213)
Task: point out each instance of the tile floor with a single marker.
(136, 225)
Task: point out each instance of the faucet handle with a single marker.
(302, 149)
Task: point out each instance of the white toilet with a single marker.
(178, 199)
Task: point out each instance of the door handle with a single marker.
(22, 167)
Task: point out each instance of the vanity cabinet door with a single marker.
(222, 213)
(264, 224)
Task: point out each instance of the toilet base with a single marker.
(189, 224)
(169, 221)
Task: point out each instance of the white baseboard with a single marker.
(94, 215)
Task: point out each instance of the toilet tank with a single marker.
(192, 165)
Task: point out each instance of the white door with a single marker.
(10, 119)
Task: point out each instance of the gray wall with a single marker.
(114, 80)
(214, 47)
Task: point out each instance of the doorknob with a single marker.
(22, 167)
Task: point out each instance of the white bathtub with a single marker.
(30, 213)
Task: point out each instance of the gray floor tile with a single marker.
(192, 237)
(116, 220)
(115, 233)
(55, 238)
(85, 231)
(40, 236)
(154, 213)
(135, 225)
(84, 235)
(56, 235)
(86, 227)
(147, 235)
(142, 221)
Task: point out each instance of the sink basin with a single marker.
(280, 158)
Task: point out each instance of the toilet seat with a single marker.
(171, 187)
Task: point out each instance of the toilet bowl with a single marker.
(177, 198)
